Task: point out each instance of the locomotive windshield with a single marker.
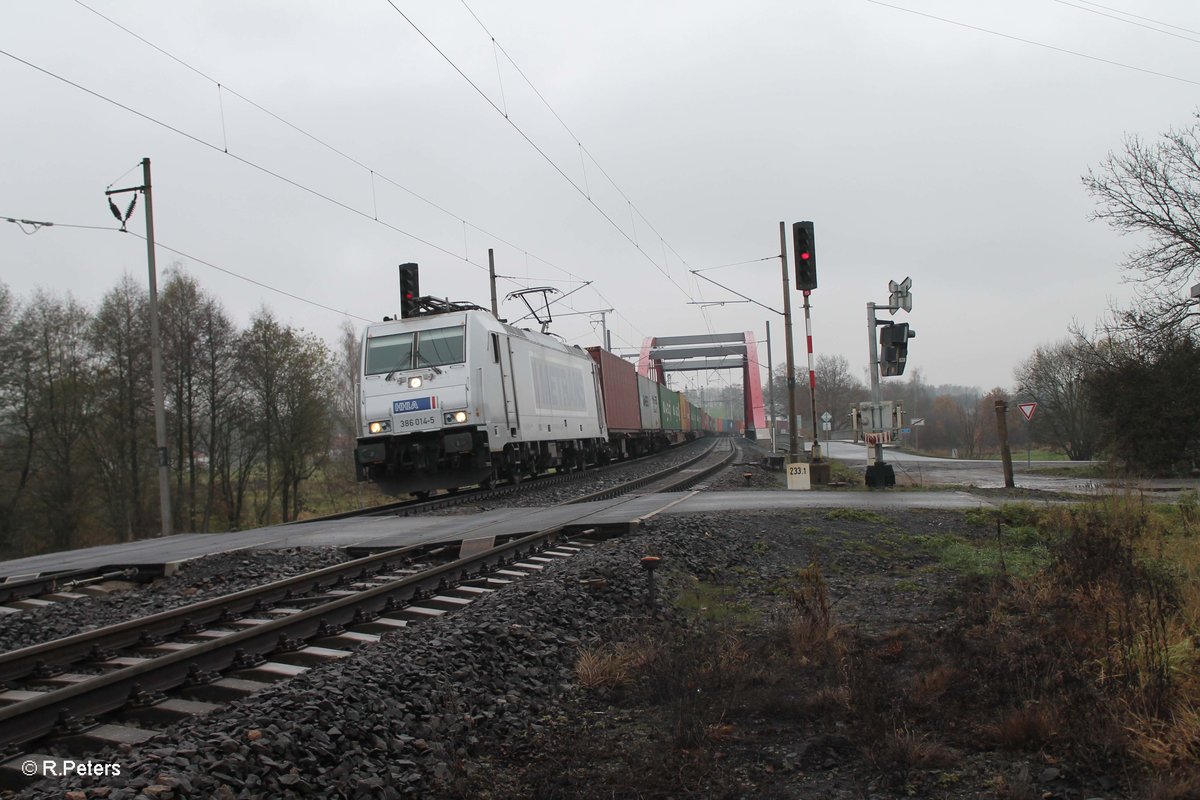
(395, 352)
(439, 347)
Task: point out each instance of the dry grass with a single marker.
(1016, 787)
(1104, 642)
(1028, 728)
(905, 749)
(1096, 655)
(613, 666)
(929, 686)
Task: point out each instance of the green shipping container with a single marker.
(668, 406)
(697, 419)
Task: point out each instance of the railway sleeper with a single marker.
(251, 673)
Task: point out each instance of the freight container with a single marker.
(668, 404)
(648, 398)
(697, 418)
(619, 385)
(685, 413)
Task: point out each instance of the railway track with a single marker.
(27, 592)
(230, 646)
(500, 491)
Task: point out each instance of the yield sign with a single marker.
(1027, 410)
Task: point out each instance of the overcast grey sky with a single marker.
(919, 147)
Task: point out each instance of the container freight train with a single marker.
(459, 398)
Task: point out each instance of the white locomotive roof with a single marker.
(475, 317)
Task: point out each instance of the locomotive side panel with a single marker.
(555, 389)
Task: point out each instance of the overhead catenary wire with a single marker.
(159, 245)
(1144, 19)
(372, 214)
(241, 159)
(337, 151)
(1129, 21)
(1035, 43)
(225, 88)
(537, 147)
(571, 133)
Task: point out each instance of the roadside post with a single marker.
(1027, 410)
(1002, 435)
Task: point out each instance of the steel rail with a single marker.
(16, 664)
(663, 476)
(408, 507)
(19, 663)
(33, 719)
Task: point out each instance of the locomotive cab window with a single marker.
(439, 347)
(433, 348)
(389, 353)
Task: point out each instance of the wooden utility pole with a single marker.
(1002, 435)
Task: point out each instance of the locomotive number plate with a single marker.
(422, 421)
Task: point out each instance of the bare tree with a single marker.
(955, 423)
(1055, 377)
(1154, 190)
(120, 343)
(346, 367)
(837, 389)
(219, 393)
(55, 364)
(19, 426)
(180, 307)
(290, 376)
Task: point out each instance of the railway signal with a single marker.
(888, 342)
(410, 290)
(804, 244)
(893, 345)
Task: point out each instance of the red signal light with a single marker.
(805, 247)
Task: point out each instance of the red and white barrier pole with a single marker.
(812, 378)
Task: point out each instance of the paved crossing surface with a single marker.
(375, 533)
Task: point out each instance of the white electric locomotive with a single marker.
(459, 398)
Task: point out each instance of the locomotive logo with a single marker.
(416, 404)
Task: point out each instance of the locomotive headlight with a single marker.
(380, 426)
(454, 417)
(415, 382)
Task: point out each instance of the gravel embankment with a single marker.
(221, 574)
(589, 483)
(392, 719)
(197, 580)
